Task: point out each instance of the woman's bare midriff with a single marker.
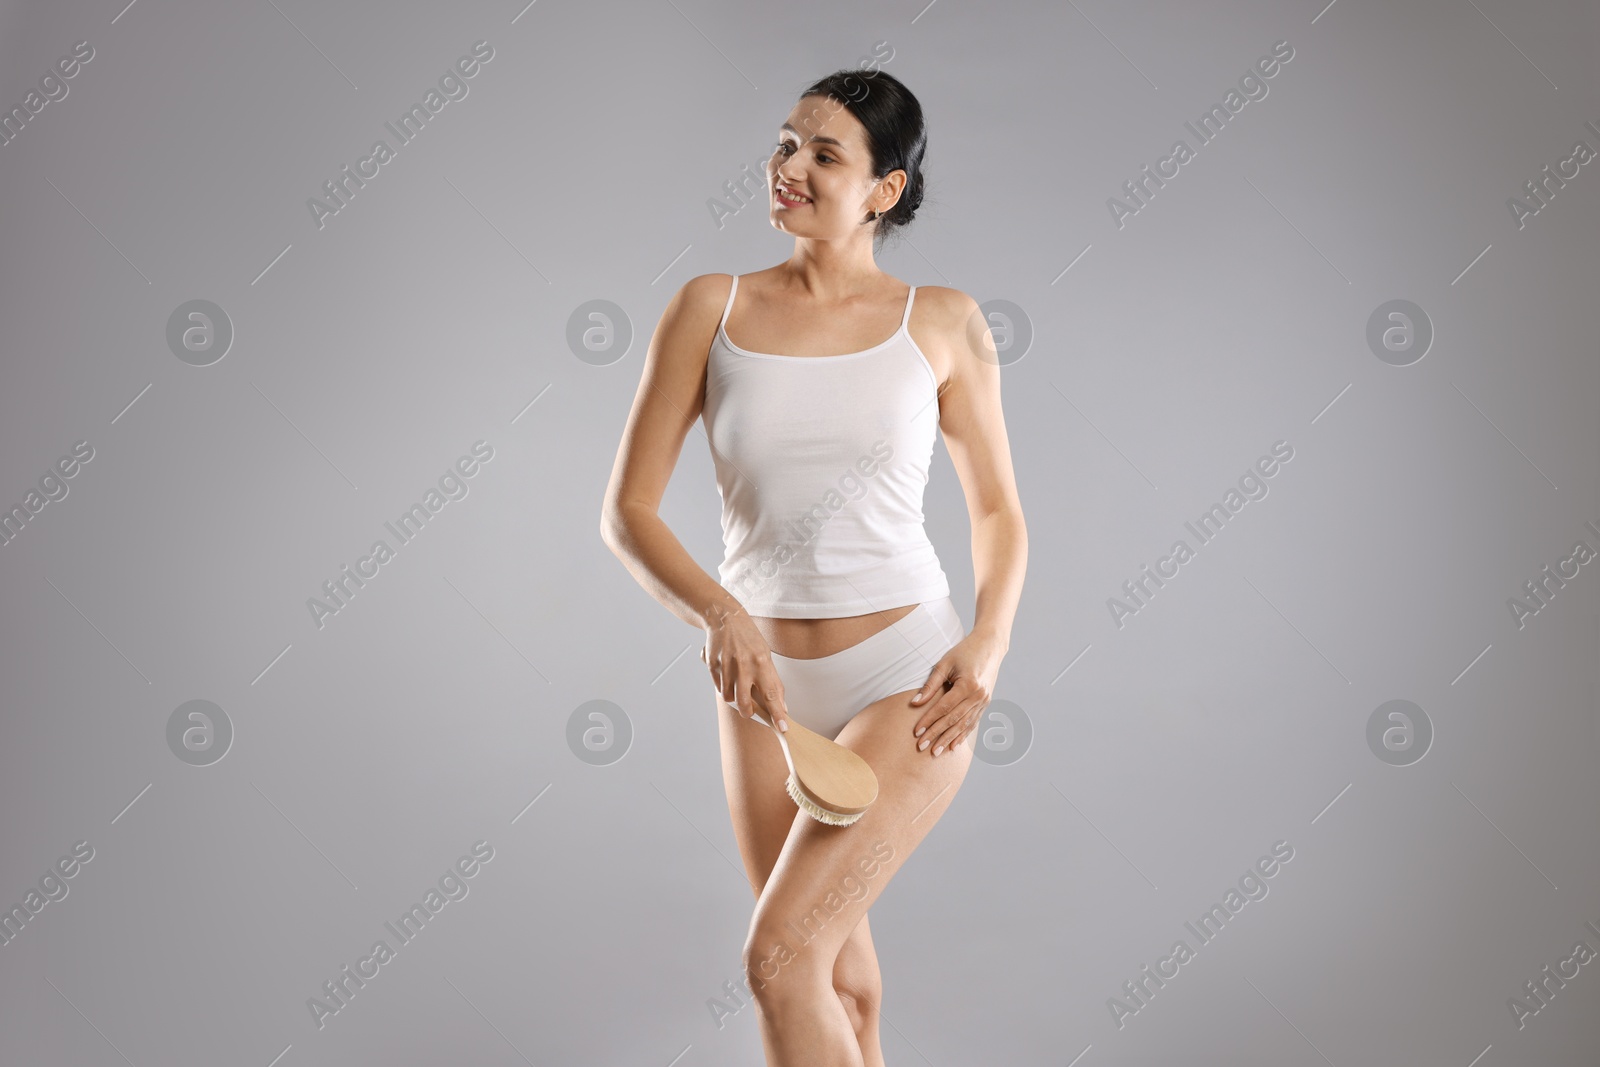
(815, 638)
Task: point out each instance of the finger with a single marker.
(951, 708)
(952, 735)
(750, 693)
(932, 695)
(959, 734)
(941, 701)
(969, 729)
(935, 683)
(741, 690)
(972, 711)
(772, 688)
(939, 716)
(725, 682)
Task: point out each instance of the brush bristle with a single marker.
(816, 811)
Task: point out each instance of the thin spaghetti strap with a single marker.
(905, 320)
(734, 288)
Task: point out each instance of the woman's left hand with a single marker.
(949, 715)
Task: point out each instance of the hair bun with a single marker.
(911, 198)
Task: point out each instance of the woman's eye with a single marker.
(783, 146)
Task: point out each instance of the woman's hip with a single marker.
(824, 693)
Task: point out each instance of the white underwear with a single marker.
(825, 693)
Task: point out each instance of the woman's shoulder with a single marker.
(947, 302)
(707, 287)
(698, 303)
(951, 315)
(945, 320)
(689, 321)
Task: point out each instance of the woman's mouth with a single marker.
(788, 200)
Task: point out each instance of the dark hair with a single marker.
(895, 131)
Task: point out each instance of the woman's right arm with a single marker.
(669, 399)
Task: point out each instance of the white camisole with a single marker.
(821, 462)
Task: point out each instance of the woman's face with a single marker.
(822, 156)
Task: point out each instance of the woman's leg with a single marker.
(753, 772)
(825, 878)
(859, 986)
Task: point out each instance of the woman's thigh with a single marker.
(753, 771)
(825, 878)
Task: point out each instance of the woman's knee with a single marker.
(857, 981)
(777, 969)
(861, 1005)
(860, 999)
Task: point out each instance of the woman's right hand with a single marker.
(741, 666)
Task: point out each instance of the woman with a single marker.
(832, 609)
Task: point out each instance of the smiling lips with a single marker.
(789, 199)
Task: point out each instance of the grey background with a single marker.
(430, 712)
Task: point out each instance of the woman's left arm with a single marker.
(975, 435)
